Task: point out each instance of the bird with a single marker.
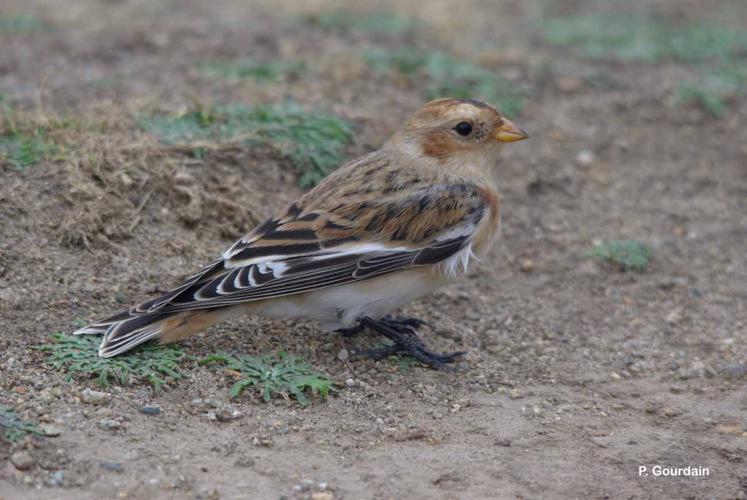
(377, 233)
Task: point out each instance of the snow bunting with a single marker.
(377, 233)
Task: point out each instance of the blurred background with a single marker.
(140, 138)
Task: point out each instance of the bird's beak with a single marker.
(510, 132)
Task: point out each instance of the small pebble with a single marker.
(322, 495)
(50, 430)
(227, 414)
(515, 394)
(150, 410)
(669, 412)
(502, 442)
(343, 355)
(585, 158)
(94, 397)
(56, 478)
(673, 317)
(244, 462)
(109, 424)
(113, 466)
(736, 370)
(22, 460)
(601, 441)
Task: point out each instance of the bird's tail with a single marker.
(128, 329)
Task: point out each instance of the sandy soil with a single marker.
(577, 374)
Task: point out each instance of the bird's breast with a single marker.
(489, 226)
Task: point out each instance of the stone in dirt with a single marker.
(22, 460)
(150, 410)
(50, 430)
(94, 397)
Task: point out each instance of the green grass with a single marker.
(376, 22)
(23, 150)
(442, 75)
(312, 141)
(279, 374)
(404, 362)
(628, 255)
(403, 62)
(273, 71)
(77, 355)
(643, 38)
(13, 428)
(14, 24)
(714, 88)
(24, 142)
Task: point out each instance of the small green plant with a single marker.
(14, 24)
(642, 38)
(406, 63)
(259, 70)
(442, 75)
(629, 255)
(13, 428)
(714, 88)
(313, 142)
(376, 22)
(279, 374)
(704, 96)
(404, 362)
(78, 355)
(22, 150)
(23, 142)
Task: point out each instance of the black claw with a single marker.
(399, 321)
(402, 333)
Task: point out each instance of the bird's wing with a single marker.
(309, 249)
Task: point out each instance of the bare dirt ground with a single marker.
(577, 373)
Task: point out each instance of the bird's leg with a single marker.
(405, 342)
(352, 331)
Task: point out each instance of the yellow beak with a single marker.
(510, 132)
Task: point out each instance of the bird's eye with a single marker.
(463, 128)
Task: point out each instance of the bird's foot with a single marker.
(402, 333)
(398, 323)
(351, 332)
(402, 323)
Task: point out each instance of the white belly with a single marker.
(342, 306)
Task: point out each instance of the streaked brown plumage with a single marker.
(378, 232)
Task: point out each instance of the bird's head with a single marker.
(456, 131)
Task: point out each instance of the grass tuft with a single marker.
(24, 140)
(313, 142)
(628, 255)
(13, 428)
(78, 355)
(22, 150)
(376, 22)
(643, 39)
(280, 374)
(258, 70)
(715, 87)
(442, 75)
